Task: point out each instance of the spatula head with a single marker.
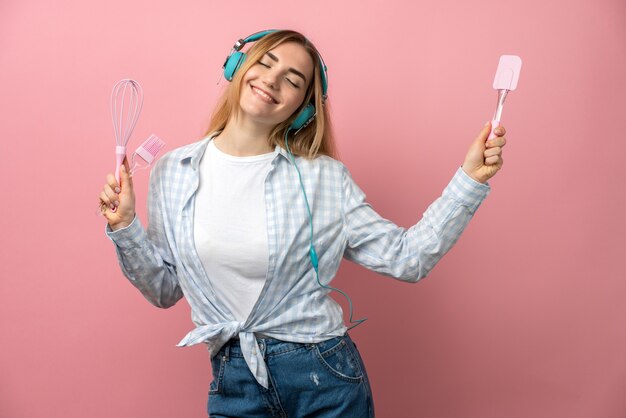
(508, 71)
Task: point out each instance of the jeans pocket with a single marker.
(218, 362)
(339, 360)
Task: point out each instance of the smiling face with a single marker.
(275, 86)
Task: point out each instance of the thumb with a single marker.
(125, 178)
(484, 133)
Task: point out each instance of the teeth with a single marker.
(263, 94)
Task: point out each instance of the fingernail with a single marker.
(116, 203)
(117, 190)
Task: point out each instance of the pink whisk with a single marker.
(127, 92)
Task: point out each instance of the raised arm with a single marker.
(145, 257)
(410, 254)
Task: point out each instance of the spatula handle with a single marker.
(494, 125)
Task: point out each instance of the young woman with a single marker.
(250, 224)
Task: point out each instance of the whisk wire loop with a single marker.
(126, 105)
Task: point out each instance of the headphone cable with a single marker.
(312, 252)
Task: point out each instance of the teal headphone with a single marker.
(236, 58)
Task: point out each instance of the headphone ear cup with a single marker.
(305, 117)
(232, 64)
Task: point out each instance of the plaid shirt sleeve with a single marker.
(145, 257)
(409, 254)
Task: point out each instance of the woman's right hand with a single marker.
(118, 196)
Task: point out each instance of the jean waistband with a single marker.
(272, 346)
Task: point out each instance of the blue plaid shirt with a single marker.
(163, 264)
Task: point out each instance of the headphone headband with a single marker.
(235, 64)
(236, 58)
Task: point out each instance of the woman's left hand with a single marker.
(484, 158)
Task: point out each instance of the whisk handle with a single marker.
(120, 154)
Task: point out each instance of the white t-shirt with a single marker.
(230, 229)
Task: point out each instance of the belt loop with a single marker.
(227, 353)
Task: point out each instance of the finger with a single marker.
(114, 198)
(492, 151)
(104, 199)
(113, 183)
(492, 160)
(498, 141)
(103, 209)
(500, 131)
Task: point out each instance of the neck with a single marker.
(244, 139)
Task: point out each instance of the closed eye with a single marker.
(292, 83)
(286, 78)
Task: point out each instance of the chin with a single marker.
(259, 115)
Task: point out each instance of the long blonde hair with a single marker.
(315, 139)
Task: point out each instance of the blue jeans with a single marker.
(324, 380)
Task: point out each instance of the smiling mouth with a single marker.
(263, 95)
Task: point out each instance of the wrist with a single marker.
(474, 177)
(120, 224)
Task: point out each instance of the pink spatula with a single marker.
(506, 79)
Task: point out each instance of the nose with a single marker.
(270, 79)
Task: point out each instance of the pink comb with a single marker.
(147, 152)
(506, 79)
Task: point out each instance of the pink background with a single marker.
(524, 318)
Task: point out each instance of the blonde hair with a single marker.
(313, 140)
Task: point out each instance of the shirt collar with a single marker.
(196, 151)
